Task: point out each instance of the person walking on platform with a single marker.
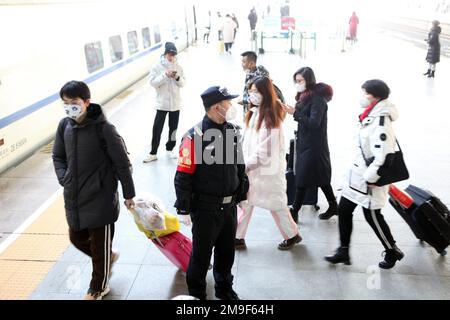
(209, 182)
(265, 164)
(233, 17)
(228, 32)
(353, 27)
(375, 139)
(313, 165)
(167, 77)
(90, 157)
(252, 71)
(434, 49)
(253, 18)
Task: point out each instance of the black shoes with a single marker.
(431, 75)
(227, 295)
(294, 214)
(289, 243)
(341, 256)
(239, 244)
(427, 73)
(391, 257)
(331, 211)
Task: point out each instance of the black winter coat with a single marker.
(89, 159)
(313, 166)
(434, 46)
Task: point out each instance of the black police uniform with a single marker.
(210, 192)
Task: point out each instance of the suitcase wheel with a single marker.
(443, 253)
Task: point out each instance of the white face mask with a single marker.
(230, 113)
(255, 98)
(364, 102)
(300, 87)
(73, 111)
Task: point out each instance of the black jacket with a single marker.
(434, 46)
(214, 178)
(313, 166)
(89, 159)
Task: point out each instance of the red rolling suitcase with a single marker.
(176, 247)
(425, 213)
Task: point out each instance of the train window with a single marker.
(132, 42)
(115, 48)
(94, 56)
(146, 37)
(157, 34)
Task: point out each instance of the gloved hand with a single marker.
(185, 219)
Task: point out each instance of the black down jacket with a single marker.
(434, 46)
(89, 159)
(313, 166)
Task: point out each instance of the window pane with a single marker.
(146, 37)
(132, 42)
(94, 56)
(115, 48)
(157, 34)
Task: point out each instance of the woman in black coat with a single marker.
(313, 166)
(434, 49)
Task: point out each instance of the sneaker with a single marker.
(289, 243)
(172, 154)
(150, 158)
(239, 244)
(96, 295)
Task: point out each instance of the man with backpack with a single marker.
(90, 157)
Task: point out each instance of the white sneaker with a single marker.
(150, 158)
(172, 154)
(96, 295)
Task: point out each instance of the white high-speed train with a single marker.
(108, 44)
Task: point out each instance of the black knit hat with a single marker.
(170, 48)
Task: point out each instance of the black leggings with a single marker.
(158, 125)
(301, 192)
(373, 217)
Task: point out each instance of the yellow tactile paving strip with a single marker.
(24, 264)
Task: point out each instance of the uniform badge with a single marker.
(383, 137)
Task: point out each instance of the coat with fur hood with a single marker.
(376, 138)
(265, 163)
(168, 96)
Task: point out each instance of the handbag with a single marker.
(393, 169)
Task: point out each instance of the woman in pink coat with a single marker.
(265, 163)
(353, 26)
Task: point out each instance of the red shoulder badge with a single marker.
(186, 161)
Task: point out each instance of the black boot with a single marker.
(431, 75)
(341, 256)
(391, 257)
(331, 211)
(294, 214)
(427, 73)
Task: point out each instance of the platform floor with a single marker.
(38, 262)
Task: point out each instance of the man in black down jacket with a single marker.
(89, 158)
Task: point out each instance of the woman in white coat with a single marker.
(228, 28)
(265, 163)
(375, 139)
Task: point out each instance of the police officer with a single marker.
(209, 182)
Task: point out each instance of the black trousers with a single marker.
(373, 217)
(97, 244)
(228, 46)
(158, 126)
(301, 192)
(214, 228)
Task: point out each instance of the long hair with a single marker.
(310, 80)
(270, 110)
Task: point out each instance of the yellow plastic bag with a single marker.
(221, 47)
(171, 221)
